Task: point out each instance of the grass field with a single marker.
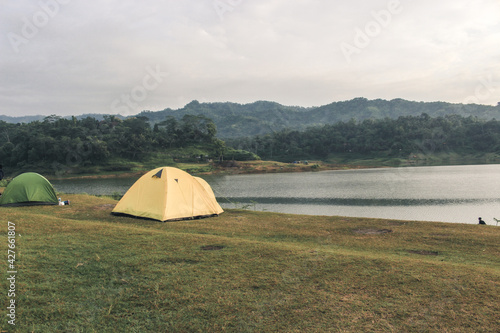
(80, 269)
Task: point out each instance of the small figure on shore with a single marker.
(481, 221)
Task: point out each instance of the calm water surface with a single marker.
(448, 194)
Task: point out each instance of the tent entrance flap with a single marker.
(158, 174)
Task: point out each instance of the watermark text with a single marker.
(11, 272)
(485, 88)
(363, 36)
(129, 102)
(48, 9)
(224, 6)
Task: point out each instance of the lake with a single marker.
(446, 193)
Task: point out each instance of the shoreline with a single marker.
(228, 168)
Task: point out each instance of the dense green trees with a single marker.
(60, 143)
(260, 118)
(235, 120)
(392, 137)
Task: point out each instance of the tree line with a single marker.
(57, 141)
(235, 120)
(391, 137)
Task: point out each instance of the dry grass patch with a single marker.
(82, 269)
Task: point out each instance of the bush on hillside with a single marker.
(241, 155)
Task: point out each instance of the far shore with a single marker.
(225, 168)
(230, 167)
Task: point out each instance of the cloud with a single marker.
(85, 56)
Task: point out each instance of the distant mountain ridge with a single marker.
(262, 117)
(29, 119)
(23, 119)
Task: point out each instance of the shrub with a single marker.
(241, 155)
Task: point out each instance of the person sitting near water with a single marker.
(481, 221)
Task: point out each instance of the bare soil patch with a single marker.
(212, 247)
(372, 231)
(424, 252)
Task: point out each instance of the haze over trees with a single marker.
(259, 130)
(399, 137)
(259, 118)
(56, 141)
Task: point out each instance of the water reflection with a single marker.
(356, 201)
(105, 186)
(448, 194)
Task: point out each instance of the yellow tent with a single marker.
(169, 194)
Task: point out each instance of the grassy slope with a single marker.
(414, 159)
(84, 270)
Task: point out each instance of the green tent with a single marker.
(29, 189)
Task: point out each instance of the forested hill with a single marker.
(258, 118)
(237, 120)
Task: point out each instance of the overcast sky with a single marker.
(70, 57)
